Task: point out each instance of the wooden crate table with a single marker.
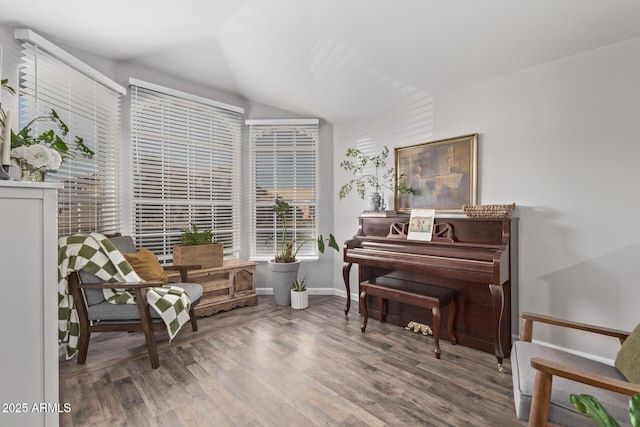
(223, 288)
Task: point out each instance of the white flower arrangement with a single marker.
(36, 156)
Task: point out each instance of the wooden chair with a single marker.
(98, 315)
(534, 366)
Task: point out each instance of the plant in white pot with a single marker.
(283, 268)
(299, 295)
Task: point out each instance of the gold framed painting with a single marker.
(441, 175)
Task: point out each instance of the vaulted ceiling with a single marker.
(335, 59)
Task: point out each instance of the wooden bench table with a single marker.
(231, 285)
(418, 294)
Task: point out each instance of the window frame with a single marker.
(179, 119)
(89, 103)
(285, 149)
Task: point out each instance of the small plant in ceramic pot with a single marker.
(299, 295)
(299, 285)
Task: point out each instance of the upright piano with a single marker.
(472, 256)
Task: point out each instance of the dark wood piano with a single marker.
(473, 256)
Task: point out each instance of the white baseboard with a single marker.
(314, 291)
(577, 353)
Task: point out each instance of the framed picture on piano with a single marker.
(441, 175)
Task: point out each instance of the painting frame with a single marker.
(440, 175)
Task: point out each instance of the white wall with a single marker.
(561, 140)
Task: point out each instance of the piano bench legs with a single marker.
(431, 297)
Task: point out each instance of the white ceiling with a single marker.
(335, 59)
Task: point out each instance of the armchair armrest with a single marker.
(183, 269)
(546, 369)
(526, 330)
(583, 376)
(120, 285)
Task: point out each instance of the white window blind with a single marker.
(90, 198)
(284, 166)
(186, 169)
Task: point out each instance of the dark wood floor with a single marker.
(274, 366)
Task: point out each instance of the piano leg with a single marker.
(453, 312)
(382, 306)
(437, 320)
(363, 307)
(497, 298)
(346, 269)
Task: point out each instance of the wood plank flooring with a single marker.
(273, 366)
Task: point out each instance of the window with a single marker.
(89, 103)
(186, 167)
(284, 166)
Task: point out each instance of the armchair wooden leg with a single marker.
(540, 401)
(83, 318)
(194, 322)
(83, 346)
(145, 316)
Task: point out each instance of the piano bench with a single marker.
(413, 293)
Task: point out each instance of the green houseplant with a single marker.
(193, 236)
(381, 178)
(299, 295)
(287, 250)
(283, 268)
(590, 406)
(197, 247)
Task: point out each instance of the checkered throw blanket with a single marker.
(95, 254)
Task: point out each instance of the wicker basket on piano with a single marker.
(489, 211)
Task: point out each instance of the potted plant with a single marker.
(197, 247)
(299, 295)
(283, 268)
(35, 154)
(382, 177)
(592, 407)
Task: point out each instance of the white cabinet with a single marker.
(28, 304)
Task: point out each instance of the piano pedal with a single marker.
(500, 368)
(419, 327)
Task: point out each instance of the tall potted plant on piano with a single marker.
(283, 268)
(371, 171)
